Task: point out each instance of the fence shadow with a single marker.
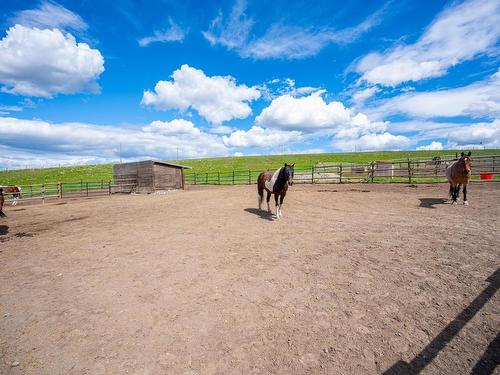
(431, 202)
(490, 359)
(261, 213)
(427, 355)
(4, 229)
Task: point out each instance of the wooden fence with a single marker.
(60, 190)
(403, 171)
(407, 171)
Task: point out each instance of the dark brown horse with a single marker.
(458, 174)
(275, 183)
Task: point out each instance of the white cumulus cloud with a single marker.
(215, 98)
(459, 33)
(316, 118)
(307, 113)
(176, 126)
(43, 63)
(257, 136)
(311, 114)
(484, 134)
(373, 142)
(433, 146)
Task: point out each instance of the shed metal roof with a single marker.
(171, 164)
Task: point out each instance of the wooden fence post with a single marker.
(109, 187)
(194, 174)
(340, 173)
(312, 174)
(249, 177)
(218, 177)
(206, 178)
(233, 176)
(59, 190)
(409, 171)
(372, 170)
(87, 187)
(102, 184)
(81, 185)
(43, 193)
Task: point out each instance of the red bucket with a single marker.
(486, 176)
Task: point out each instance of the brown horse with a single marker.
(15, 191)
(2, 200)
(458, 174)
(275, 183)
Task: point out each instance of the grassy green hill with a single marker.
(243, 163)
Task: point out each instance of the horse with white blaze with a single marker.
(275, 183)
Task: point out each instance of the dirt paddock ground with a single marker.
(354, 279)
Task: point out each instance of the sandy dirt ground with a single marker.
(354, 279)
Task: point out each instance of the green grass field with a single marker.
(226, 164)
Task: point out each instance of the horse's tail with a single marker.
(260, 183)
(451, 190)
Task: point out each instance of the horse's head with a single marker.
(466, 163)
(289, 173)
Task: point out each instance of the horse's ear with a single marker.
(462, 154)
(469, 154)
(293, 165)
(285, 164)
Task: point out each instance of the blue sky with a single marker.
(223, 78)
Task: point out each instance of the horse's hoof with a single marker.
(454, 203)
(466, 203)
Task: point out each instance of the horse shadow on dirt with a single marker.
(431, 202)
(4, 229)
(491, 356)
(260, 213)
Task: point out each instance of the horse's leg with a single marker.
(456, 190)
(453, 192)
(267, 200)
(282, 198)
(465, 195)
(276, 198)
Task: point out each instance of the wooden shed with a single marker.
(148, 176)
